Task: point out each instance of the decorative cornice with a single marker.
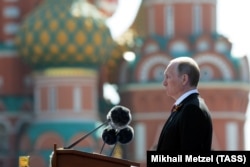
(229, 115)
(68, 72)
(162, 115)
(59, 117)
(202, 85)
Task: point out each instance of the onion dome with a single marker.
(65, 33)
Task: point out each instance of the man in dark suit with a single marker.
(189, 127)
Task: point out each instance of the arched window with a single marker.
(169, 13)
(197, 19)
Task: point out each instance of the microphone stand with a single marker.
(114, 146)
(102, 147)
(83, 137)
(112, 149)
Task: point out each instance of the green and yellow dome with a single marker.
(66, 33)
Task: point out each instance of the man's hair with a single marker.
(189, 66)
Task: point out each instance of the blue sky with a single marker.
(233, 22)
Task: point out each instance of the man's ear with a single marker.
(185, 79)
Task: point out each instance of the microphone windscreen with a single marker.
(125, 135)
(109, 136)
(119, 116)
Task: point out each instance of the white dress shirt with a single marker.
(182, 97)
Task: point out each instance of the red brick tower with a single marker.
(15, 82)
(173, 28)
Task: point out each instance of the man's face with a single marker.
(172, 81)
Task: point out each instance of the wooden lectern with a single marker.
(74, 158)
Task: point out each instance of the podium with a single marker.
(74, 158)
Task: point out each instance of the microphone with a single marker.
(112, 136)
(109, 136)
(119, 117)
(125, 135)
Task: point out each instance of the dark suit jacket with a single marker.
(189, 128)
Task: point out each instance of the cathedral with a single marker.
(56, 55)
